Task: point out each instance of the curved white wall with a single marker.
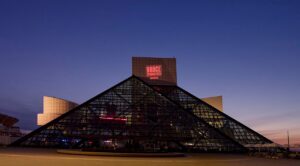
(215, 101)
(52, 108)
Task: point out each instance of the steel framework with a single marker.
(133, 116)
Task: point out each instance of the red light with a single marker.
(113, 119)
(153, 71)
(107, 118)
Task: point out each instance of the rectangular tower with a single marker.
(155, 71)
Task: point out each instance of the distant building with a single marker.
(8, 132)
(52, 108)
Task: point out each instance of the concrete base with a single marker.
(79, 152)
(49, 157)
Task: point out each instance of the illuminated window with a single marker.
(153, 71)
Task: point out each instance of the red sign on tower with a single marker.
(153, 71)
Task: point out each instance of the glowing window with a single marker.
(153, 71)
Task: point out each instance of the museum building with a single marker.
(147, 112)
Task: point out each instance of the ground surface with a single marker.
(46, 157)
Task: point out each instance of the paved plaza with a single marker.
(49, 157)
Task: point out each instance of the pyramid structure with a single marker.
(134, 116)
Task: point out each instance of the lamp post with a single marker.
(288, 139)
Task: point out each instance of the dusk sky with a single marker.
(247, 51)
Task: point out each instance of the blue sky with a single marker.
(247, 51)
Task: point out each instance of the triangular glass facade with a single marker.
(133, 116)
